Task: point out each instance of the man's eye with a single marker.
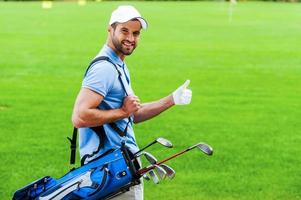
(136, 34)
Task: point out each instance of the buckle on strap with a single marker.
(72, 143)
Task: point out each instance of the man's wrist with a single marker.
(171, 100)
(122, 113)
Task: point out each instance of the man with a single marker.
(106, 99)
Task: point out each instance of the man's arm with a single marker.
(86, 113)
(181, 96)
(152, 109)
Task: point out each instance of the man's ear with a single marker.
(110, 28)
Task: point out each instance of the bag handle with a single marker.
(100, 186)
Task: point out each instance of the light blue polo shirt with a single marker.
(102, 78)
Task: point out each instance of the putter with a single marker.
(159, 140)
(170, 172)
(205, 148)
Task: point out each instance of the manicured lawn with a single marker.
(245, 76)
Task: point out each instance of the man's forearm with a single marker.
(152, 109)
(96, 117)
(87, 114)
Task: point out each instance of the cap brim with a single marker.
(143, 22)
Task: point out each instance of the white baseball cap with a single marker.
(126, 13)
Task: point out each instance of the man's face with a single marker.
(125, 37)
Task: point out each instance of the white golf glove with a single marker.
(182, 95)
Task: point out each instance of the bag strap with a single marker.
(73, 146)
(113, 125)
(99, 130)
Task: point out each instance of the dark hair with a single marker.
(114, 25)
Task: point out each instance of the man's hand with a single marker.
(182, 95)
(130, 105)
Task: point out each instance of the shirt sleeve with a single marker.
(100, 78)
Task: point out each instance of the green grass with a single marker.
(245, 77)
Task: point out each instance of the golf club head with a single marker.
(170, 172)
(164, 142)
(150, 158)
(160, 140)
(146, 177)
(205, 148)
(154, 176)
(161, 172)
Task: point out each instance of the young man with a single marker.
(106, 99)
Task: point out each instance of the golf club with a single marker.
(146, 177)
(170, 172)
(154, 176)
(159, 140)
(151, 159)
(205, 148)
(160, 172)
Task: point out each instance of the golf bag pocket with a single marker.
(78, 185)
(34, 189)
(103, 180)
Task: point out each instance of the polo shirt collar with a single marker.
(106, 50)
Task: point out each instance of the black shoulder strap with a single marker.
(99, 130)
(113, 125)
(100, 58)
(73, 146)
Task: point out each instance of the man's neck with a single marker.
(120, 55)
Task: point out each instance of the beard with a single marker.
(121, 48)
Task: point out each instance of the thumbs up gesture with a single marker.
(182, 95)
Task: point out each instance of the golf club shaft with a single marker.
(171, 157)
(150, 144)
(146, 169)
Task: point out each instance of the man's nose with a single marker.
(130, 37)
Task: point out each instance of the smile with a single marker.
(127, 44)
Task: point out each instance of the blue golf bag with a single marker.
(106, 177)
